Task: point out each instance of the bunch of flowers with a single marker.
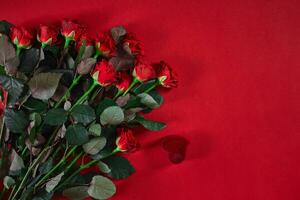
(69, 103)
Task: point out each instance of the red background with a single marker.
(238, 99)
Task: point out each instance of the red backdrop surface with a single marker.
(238, 98)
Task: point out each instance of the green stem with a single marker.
(118, 94)
(74, 83)
(83, 97)
(97, 54)
(73, 162)
(18, 50)
(11, 193)
(134, 82)
(67, 42)
(2, 193)
(22, 184)
(82, 167)
(56, 166)
(152, 87)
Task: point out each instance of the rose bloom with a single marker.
(21, 37)
(143, 72)
(124, 81)
(126, 141)
(105, 74)
(132, 45)
(87, 39)
(71, 29)
(105, 44)
(167, 78)
(47, 35)
(3, 100)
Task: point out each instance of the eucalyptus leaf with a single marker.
(29, 60)
(95, 129)
(5, 27)
(86, 65)
(77, 135)
(120, 167)
(8, 182)
(35, 105)
(76, 193)
(8, 57)
(56, 116)
(15, 121)
(83, 113)
(103, 167)
(94, 145)
(17, 162)
(105, 103)
(149, 124)
(50, 185)
(101, 188)
(13, 86)
(148, 100)
(43, 85)
(112, 115)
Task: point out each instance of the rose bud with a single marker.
(124, 81)
(126, 142)
(143, 72)
(166, 77)
(104, 45)
(104, 74)
(21, 37)
(47, 35)
(71, 31)
(133, 46)
(3, 100)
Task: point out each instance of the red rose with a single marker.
(167, 78)
(105, 44)
(21, 37)
(132, 45)
(3, 100)
(124, 81)
(47, 35)
(71, 30)
(126, 142)
(143, 72)
(105, 74)
(88, 41)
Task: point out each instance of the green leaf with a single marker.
(43, 85)
(77, 135)
(76, 193)
(13, 86)
(35, 105)
(8, 57)
(94, 145)
(8, 182)
(83, 113)
(17, 162)
(112, 115)
(86, 65)
(56, 116)
(133, 102)
(29, 60)
(149, 124)
(46, 166)
(5, 27)
(144, 86)
(157, 97)
(103, 167)
(120, 167)
(50, 185)
(101, 188)
(95, 129)
(15, 121)
(105, 103)
(37, 120)
(43, 195)
(148, 100)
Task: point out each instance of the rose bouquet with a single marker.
(69, 102)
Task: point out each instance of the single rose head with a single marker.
(124, 81)
(167, 78)
(143, 72)
(3, 100)
(105, 74)
(47, 35)
(71, 30)
(126, 142)
(21, 37)
(105, 44)
(132, 45)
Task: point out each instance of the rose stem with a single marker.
(82, 167)
(118, 94)
(56, 166)
(74, 82)
(134, 82)
(152, 87)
